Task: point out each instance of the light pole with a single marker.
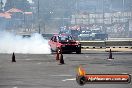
(38, 18)
(103, 17)
(1, 5)
(104, 9)
(76, 11)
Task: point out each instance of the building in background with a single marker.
(112, 16)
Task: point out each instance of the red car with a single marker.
(66, 43)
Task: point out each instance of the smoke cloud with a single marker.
(35, 44)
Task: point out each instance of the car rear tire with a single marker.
(52, 51)
(78, 52)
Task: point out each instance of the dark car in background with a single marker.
(64, 42)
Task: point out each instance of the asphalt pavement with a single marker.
(43, 71)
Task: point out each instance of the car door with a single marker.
(51, 42)
(54, 43)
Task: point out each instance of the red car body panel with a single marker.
(69, 45)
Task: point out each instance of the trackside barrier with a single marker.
(106, 44)
(47, 36)
(118, 43)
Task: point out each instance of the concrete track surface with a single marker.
(43, 71)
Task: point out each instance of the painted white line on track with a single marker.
(52, 55)
(87, 56)
(124, 73)
(39, 63)
(72, 79)
(27, 59)
(15, 87)
(110, 59)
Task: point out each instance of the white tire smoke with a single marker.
(36, 44)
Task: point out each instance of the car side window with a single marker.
(70, 38)
(52, 38)
(55, 39)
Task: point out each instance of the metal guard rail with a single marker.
(107, 44)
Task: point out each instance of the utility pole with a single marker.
(76, 12)
(38, 18)
(1, 5)
(103, 14)
(103, 27)
(123, 5)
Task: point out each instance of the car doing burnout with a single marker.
(65, 42)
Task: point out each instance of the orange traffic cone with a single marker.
(57, 55)
(110, 55)
(61, 59)
(13, 57)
